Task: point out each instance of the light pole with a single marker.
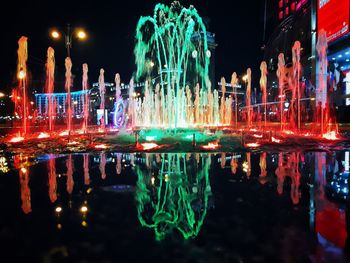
(68, 34)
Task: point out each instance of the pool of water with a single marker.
(176, 207)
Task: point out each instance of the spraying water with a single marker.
(321, 92)
(248, 97)
(102, 88)
(234, 83)
(86, 98)
(117, 87)
(281, 74)
(172, 51)
(22, 54)
(263, 84)
(68, 85)
(295, 87)
(50, 79)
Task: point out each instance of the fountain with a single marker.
(50, 78)
(68, 85)
(263, 84)
(102, 89)
(86, 97)
(177, 97)
(22, 75)
(248, 98)
(281, 75)
(234, 83)
(321, 92)
(172, 56)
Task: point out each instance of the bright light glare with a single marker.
(21, 74)
(83, 209)
(81, 34)
(55, 34)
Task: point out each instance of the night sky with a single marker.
(238, 26)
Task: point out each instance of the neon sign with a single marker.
(333, 17)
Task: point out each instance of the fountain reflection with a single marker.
(25, 190)
(86, 168)
(52, 179)
(288, 166)
(70, 171)
(173, 192)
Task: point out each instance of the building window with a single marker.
(280, 15)
(280, 4)
(292, 7)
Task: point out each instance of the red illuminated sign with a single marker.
(333, 17)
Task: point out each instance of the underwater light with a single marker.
(17, 139)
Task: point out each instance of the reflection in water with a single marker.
(223, 160)
(234, 164)
(173, 190)
(119, 163)
(70, 171)
(330, 221)
(247, 166)
(263, 172)
(86, 168)
(3, 165)
(52, 179)
(176, 189)
(25, 190)
(288, 166)
(102, 165)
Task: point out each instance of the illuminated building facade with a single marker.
(302, 20)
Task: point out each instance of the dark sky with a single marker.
(111, 25)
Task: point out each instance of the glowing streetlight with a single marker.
(245, 78)
(77, 32)
(2, 95)
(81, 34)
(55, 34)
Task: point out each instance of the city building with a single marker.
(302, 20)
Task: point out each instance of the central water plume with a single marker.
(172, 57)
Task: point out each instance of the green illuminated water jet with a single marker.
(173, 58)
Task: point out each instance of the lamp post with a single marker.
(68, 34)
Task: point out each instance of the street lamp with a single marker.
(79, 33)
